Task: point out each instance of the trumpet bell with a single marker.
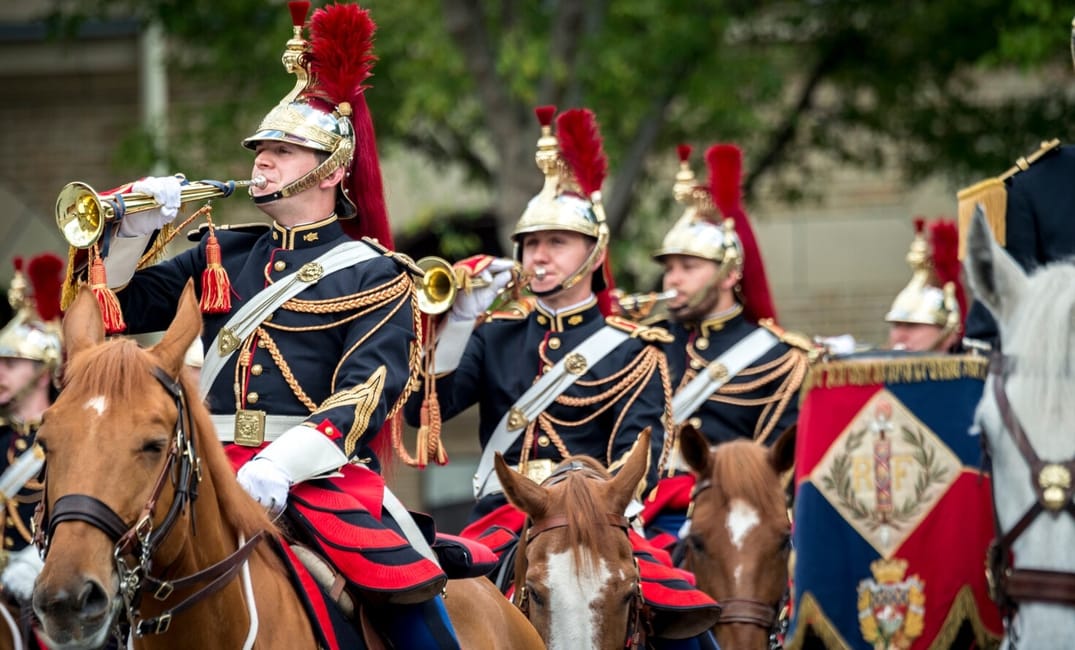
(437, 287)
(81, 215)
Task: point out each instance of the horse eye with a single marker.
(153, 446)
(535, 597)
(696, 542)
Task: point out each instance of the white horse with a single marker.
(1036, 381)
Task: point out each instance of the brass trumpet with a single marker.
(82, 212)
(645, 307)
(440, 284)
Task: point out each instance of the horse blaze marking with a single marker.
(742, 518)
(573, 591)
(99, 404)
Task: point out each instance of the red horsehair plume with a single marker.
(944, 242)
(341, 59)
(298, 9)
(581, 148)
(919, 225)
(725, 163)
(45, 274)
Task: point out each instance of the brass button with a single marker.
(695, 422)
(261, 343)
(696, 364)
(542, 320)
(701, 344)
(252, 398)
(279, 265)
(554, 343)
(329, 431)
(10, 523)
(8, 542)
(574, 320)
(547, 367)
(543, 440)
(20, 444)
(256, 369)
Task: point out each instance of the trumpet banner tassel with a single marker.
(111, 313)
(216, 285)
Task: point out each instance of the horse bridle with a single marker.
(750, 611)
(639, 615)
(1052, 484)
(138, 541)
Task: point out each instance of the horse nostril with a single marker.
(92, 600)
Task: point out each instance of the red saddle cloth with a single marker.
(679, 609)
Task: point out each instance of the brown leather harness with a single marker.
(750, 611)
(1052, 482)
(638, 618)
(135, 544)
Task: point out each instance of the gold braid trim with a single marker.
(285, 370)
(407, 285)
(835, 374)
(364, 397)
(372, 297)
(964, 608)
(813, 619)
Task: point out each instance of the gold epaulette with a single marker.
(514, 310)
(404, 260)
(992, 195)
(647, 333)
(798, 340)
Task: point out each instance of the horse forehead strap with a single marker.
(565, 470)
(171, 385)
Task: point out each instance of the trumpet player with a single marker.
(302, 382)
(736, 374)
(561, 377)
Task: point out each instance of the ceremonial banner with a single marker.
(893, 515)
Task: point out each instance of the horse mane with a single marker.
(741, 470)
(585, 518)
(1040, 339)
(123, 366)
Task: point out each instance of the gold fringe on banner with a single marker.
(964, 608)
(879, 370)
(813, 620)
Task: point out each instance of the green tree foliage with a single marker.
(798, 85)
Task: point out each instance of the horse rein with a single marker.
(638, 616)
(140, 540)
(749, 611)
(1052, 482)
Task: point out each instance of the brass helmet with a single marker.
(934, 296)
(715, 227)
(327, 111)
(575, 166)
(34, 332)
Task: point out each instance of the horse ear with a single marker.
(996, 279)
(624, 484)
(83, 327)
(523, 493)
(186, 327)
(694, 448)
(782, 453)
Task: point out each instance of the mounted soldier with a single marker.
(30, 358)
(309, 333)
(554, 375)
(736, 373)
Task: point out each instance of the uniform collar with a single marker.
(716, 322)
(568, 318)
(307, 235)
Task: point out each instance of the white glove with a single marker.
(469, 305)
(267, 482)
(838, 346)
(20, 573)
(165, 191)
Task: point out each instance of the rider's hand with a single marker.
(267, 482)
(165, 190)
(470, 304)
(21, 572)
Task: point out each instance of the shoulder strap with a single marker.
(19, 473)
(266, 301)
(538, 397)
(720, 371)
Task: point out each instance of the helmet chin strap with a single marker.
(339, 158)
(588, 265)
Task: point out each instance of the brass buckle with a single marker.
(539, 470)
(249, 427)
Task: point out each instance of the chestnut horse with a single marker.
(576, 577)
(739, 535)
(129, 455)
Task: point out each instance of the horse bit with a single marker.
(639, 614)
(138, 541)
(748, 611)
(1009, 585)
